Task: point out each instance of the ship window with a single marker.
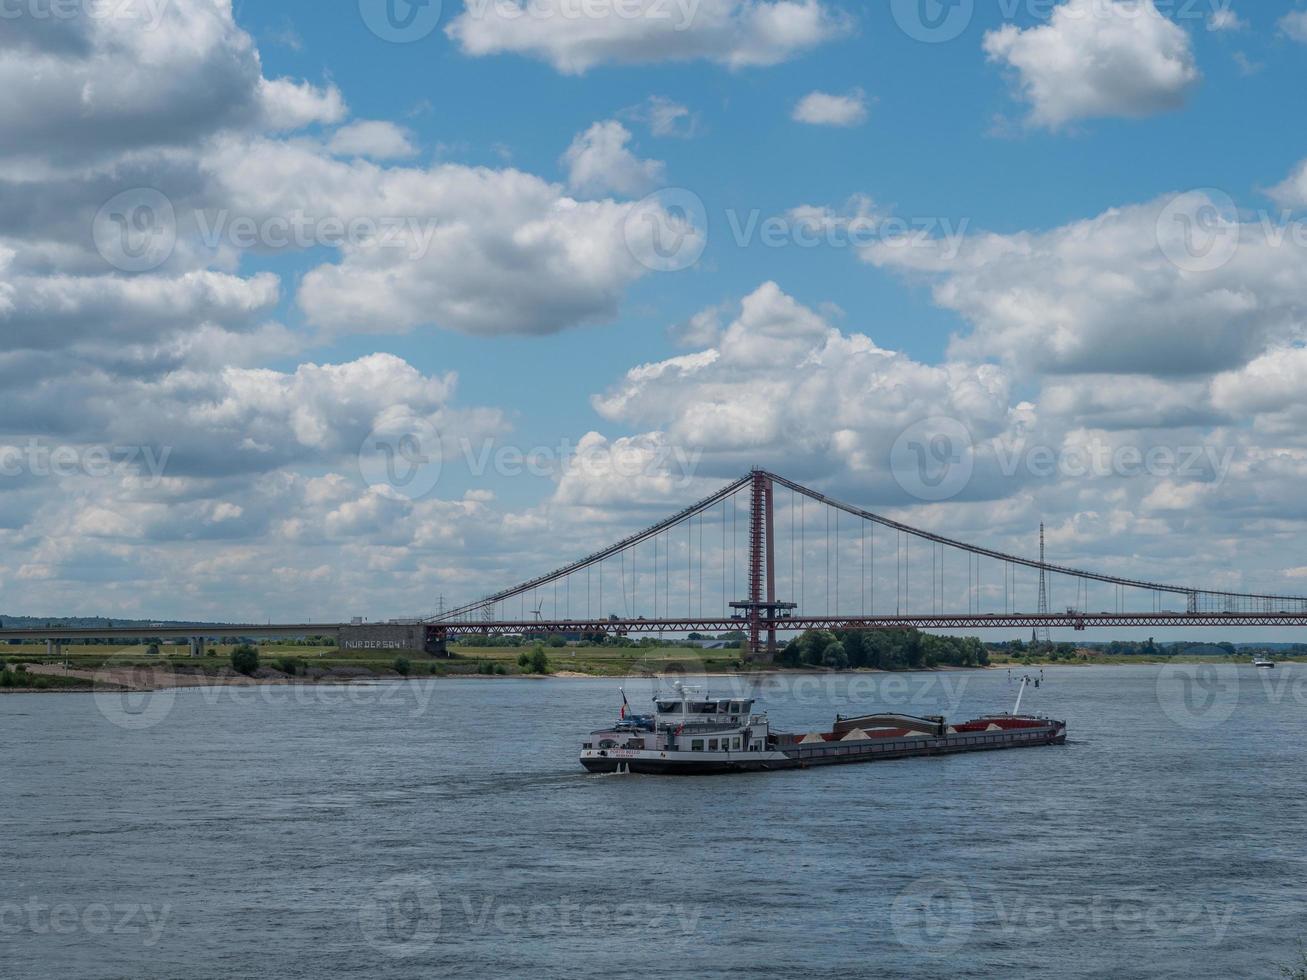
(669, 707)
(712, 745)
(696, 745)
(736, 744)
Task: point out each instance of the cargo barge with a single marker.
(690, 734)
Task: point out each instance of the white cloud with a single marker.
(1292, 192)
(77, 88)
(465, 233)
(1294, 25)
(599, 162)
(1226, 19)
(1098, 58)
(288, 104)
(1107, 294)
(781, 383)
(823, 109)
(736, 33)
(665, 117)
(375, 139)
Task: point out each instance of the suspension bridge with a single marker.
(765, 555)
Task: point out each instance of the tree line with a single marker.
(882, 650)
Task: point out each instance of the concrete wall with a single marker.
(384, 638)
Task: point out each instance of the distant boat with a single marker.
(1263, 663)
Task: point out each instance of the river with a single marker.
(443, 828)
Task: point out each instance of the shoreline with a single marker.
(144, 680)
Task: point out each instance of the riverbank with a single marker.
(135, 677)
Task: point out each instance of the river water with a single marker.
(443, 828)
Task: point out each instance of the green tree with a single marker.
(835, 656)
(540, 661)
(402, 666)
(245, 660)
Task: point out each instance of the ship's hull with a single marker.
(804, 755)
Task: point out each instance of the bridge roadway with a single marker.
(1024, 621)
(622, 627)
(67, 634)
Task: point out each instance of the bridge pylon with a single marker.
(761, 607)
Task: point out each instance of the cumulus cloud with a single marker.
(77, 88)
(461, 233)
(1292, 192)
(599, 162)
(573, 40)
(1170, 288)
(1293, 25)
(824, 109)
(1097, 58)
(664, 117)
(373, 138)
(782, 382)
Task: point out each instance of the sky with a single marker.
(973, 265)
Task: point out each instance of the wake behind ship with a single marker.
(691, 734)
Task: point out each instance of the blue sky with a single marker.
(1050, 158)
(930, 151)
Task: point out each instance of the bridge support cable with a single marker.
(1198, 596)
(598, 556)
